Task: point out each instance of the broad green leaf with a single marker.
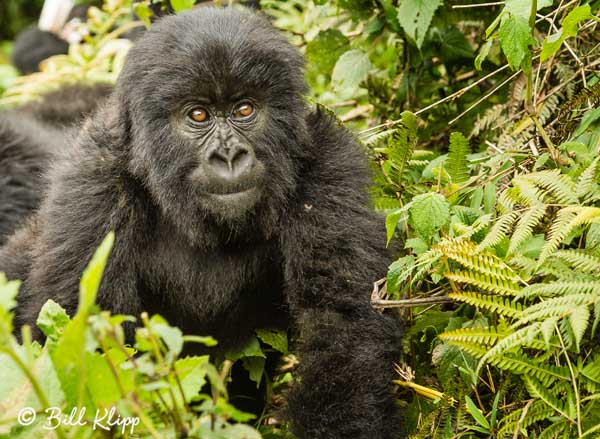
(351, 69)
(182, 5)
(429, 213)
(323, 51)
(415, 17)
(276, 338)
(515, 38)
(251, 349)
(191, 372)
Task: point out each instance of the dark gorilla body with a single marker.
(234, 206)
(29, 138)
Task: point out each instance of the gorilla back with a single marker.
(235, 207)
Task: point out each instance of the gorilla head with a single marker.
(217, 117)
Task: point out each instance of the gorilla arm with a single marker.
(87, 197)
(334, 251)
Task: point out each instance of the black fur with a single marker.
(304, 254)
(29, 137)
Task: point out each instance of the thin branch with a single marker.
(409, 303)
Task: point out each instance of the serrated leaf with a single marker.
(515, 38)
(428, 213)
(415, 17)
(276, 338)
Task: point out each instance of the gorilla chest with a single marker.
(201, 289)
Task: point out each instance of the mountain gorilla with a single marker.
(235, 207)
(30, 137)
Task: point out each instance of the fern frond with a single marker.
(486, 282)
(479, 336)
(402, 143)
(586, 180)
(538, 411)
(377, 137)
(566, 221)
(474, 349)
(560, 185)
(523, 365)
(526, 192)
(524, 228)
(456, 163)
(499, 230)
(579, 260)
(556, 307)
(498, 305)
(538, 390)
(465, 253)
(555, 289)
(555, 429)
(521, 337)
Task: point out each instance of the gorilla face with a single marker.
(216, 116)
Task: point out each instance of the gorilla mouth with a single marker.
(234, 194)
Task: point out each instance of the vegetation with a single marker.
(483, 127)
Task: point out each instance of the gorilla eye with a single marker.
(198, 114)
(244, 110)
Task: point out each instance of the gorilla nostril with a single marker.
(230, 163)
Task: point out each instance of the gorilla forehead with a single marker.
(214, 53)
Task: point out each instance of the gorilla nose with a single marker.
(231, 162)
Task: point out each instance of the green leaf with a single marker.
(456, 163)
(515, 38)
(522, 8)
(579, 321)
(323, 51)
(476, 413)
(255, 367)
(182, 5)
(398, 272)
(276, 338)
(589, 117)
(251, 349)
(415, 17)
(391, 222)
(143, 11)
(553, 42)
(191, 373)
(351, 69)
(429, 213)
(484, 50)
(90, 280)
(52, 320)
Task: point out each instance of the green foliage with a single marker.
(85, 366)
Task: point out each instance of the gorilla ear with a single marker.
(110, 125)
